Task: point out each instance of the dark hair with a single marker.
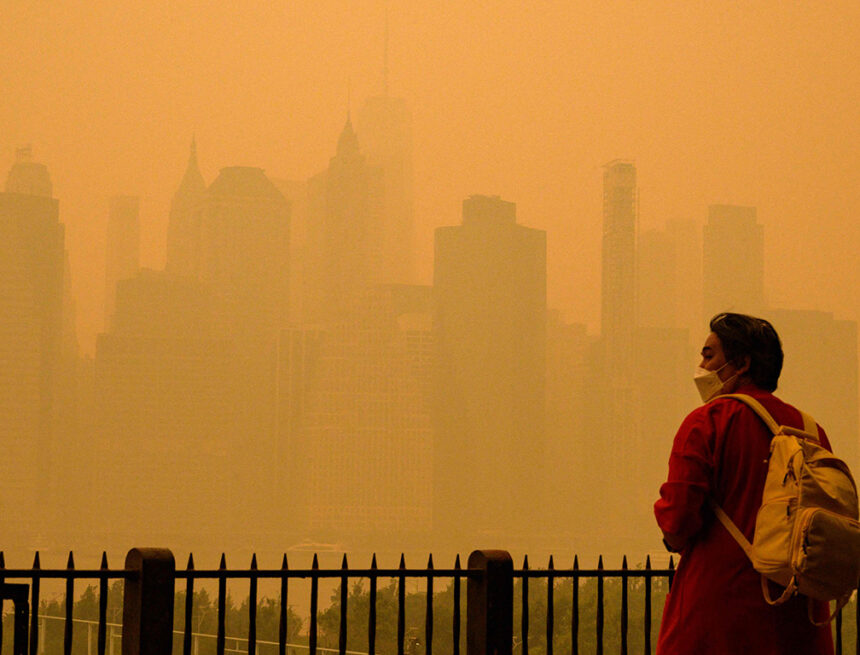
(747, 336)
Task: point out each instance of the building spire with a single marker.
(192, 181)
(385, 56)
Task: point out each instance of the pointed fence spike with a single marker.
(551, 565)
(36, 564)
(600, 562)
(624, 563)
(284, 564)
(430, 561)
(647, 562)
(671, 562)
(316, 563)
(2, 560)
(254, 561)
(402, 561)
(104, 563)
(70, 564)
(373, 561)
(223, 564)
(575, 562)
(457, 561)
(525, 563)
(343, 563)
(190, 566)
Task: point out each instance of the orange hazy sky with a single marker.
(717, 102)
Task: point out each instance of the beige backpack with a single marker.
(807, 536)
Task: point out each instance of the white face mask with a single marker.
(709, 383)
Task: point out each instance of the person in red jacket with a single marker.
(721, 450)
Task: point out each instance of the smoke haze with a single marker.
(741, 105)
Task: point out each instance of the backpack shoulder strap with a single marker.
(759, 409)
(809, 424)
(810, 427)
(731, 527)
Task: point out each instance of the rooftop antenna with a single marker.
(385, 56)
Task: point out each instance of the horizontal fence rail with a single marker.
(568, 606)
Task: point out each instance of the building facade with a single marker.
(122, 255)
(733, 261)
(32, 262)
(489, 324)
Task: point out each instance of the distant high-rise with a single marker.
(183, 230)
(166, 395)
(385, 129)
(618, 294)
(669, 277)
(234, 237)
(733, 261)
(123, 247)
(243, 253)
(489, 406)
(356, 435)
(31, 333)
(820, 373)
(344, 254)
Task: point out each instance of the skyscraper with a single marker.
(618, 293)
(344, 250)
(669, 277)
(489, 400)
(385, 129)
(31, 328)
(356, 430)
(123, 247)
(820, 373)
(183, 230)
(165, 396)
(733, 261)
(242, 253)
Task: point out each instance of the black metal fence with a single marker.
(496, 594)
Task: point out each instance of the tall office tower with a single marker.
(296, 194)
(183, 230)
(357, 437)
(31, 328)
(489, 397)
(618, 294)
(385, 128)
(733, 261)
(569, 424)
(122, 252)
(820, 373)
(617, 399)
(344, 232)
(686, 234)
(668, 277)
(657, 280)
(242, 253)
(165, 394)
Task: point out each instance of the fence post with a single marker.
(490, 603)
(147, 611)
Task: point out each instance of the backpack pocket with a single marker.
(826, 554)
(772, 546)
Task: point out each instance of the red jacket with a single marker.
(716, 603)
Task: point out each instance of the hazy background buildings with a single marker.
(434, 311)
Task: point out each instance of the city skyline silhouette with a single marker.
(296, 200)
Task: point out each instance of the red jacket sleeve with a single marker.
(691, 463)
